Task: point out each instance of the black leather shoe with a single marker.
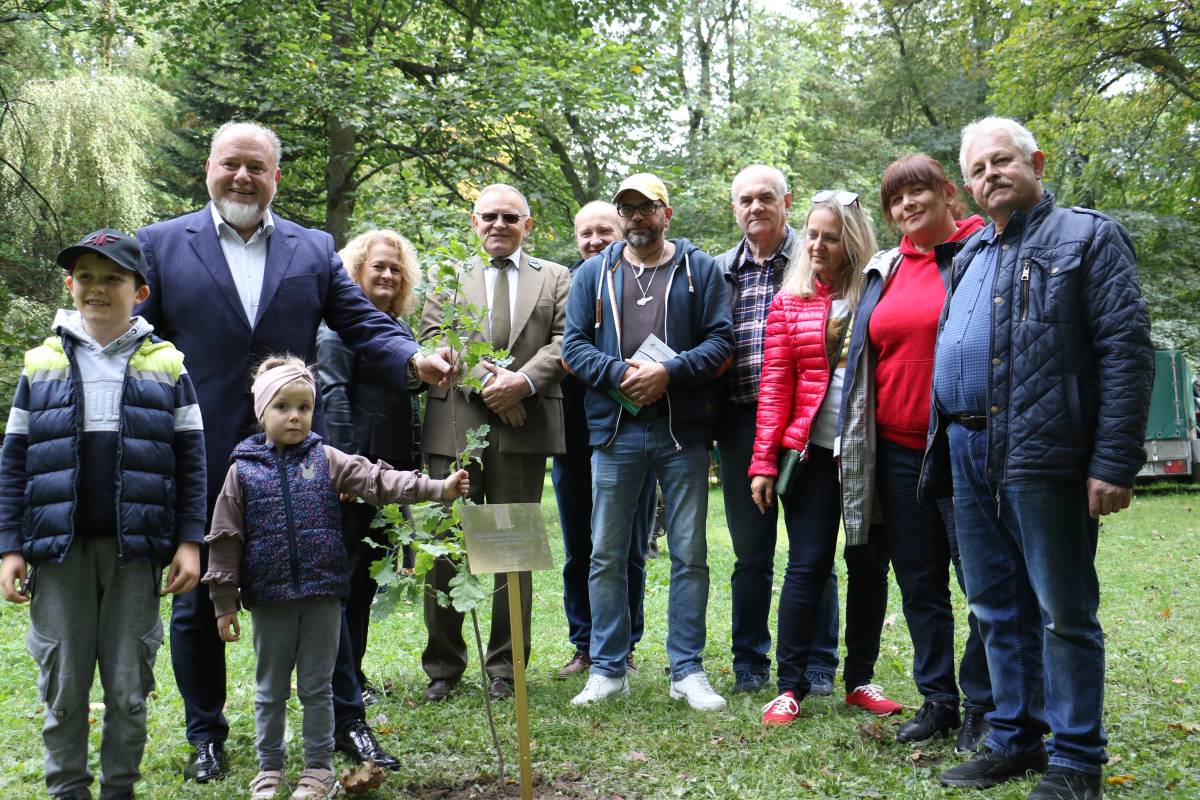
(207, 762)
(500, 688)
(936, 718)
(439, 689)
(974, 729)
(1064, 783)
(988, 768)
(358, 742)
(370, 695)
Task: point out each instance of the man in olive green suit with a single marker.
(525, 300)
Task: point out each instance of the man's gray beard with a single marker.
(640, 239)
(239, 215)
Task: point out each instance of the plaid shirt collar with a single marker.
(781, 252)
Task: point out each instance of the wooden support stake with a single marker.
(517, 630)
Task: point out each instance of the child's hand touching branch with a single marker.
(456, 485)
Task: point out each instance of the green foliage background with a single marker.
(394, 112)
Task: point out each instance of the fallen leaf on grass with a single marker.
(890, 622)
(1113, 760)
(1178, 681)
(716, 740)
(375, 722)
(637, 755)
(1166, 613)
(872, 730)
(916, 755)
(830, 774)
(367, 777)
(1186, 727)
(1119, 780)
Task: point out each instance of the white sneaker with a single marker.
(698, 692)
(600, 687)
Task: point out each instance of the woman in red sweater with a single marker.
(804, 355)
(884, 424)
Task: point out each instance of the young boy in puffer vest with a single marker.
(102, 484)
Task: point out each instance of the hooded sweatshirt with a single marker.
(102, 371)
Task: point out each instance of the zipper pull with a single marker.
(1025, 291)
(997, 502)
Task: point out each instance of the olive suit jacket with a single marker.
(535, 345)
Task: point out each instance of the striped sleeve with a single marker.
(191, 473)
(12, 469)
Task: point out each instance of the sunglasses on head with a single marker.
(509, 217)
(845, 198)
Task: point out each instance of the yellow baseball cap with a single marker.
(645, 184)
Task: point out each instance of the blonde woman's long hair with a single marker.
(858, 242)
(354, 257)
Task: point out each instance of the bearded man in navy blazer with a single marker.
(230, 284)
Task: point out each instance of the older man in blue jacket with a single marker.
(648, 414)
(1041, 387)
(230, 284)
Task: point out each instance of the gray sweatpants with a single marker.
(86, 610)
(301, 635)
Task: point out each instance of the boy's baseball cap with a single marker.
(645, 184)
(119, 248)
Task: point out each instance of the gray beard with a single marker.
(240, 215)
(639, 239)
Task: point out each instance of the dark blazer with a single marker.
(194, 304)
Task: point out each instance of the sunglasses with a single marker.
(627, 210)
(509, 217)
(845, 198)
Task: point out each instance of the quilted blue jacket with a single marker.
(1072, 365)
(160, 491)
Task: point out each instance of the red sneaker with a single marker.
(782, 710)
(870, 697)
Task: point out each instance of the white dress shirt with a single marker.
(247, 260)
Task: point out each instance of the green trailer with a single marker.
(1172, 449)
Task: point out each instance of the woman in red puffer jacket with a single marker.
(804, 356)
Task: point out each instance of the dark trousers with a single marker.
(361, 540)
(811, 514)
(572, 476)
(198, 660)
(753, 534)
(502, 478)
(914, 539)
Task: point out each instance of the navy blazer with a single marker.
(194, 304)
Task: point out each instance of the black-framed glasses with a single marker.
(646, 209)
(509, 217)
(842, 197)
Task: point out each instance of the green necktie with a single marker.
(501, 317)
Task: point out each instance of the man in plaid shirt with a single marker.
(754, 268)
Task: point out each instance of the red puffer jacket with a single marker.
(795, 376)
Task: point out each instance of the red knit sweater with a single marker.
(903, 332)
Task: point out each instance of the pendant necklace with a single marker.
(645, 298)
(640, 270)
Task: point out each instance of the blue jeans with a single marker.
(572, 477)
(1028, 553)
(618, 475)
(753, 534)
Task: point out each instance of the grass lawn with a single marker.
(648, 746)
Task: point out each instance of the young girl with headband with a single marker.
(276, 536)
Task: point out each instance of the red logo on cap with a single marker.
(101, 239)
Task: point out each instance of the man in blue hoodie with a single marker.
(649, 413)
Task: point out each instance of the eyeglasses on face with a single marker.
(645, 209)
(509, 217)
(845, 198)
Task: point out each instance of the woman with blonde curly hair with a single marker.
(370, 412)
